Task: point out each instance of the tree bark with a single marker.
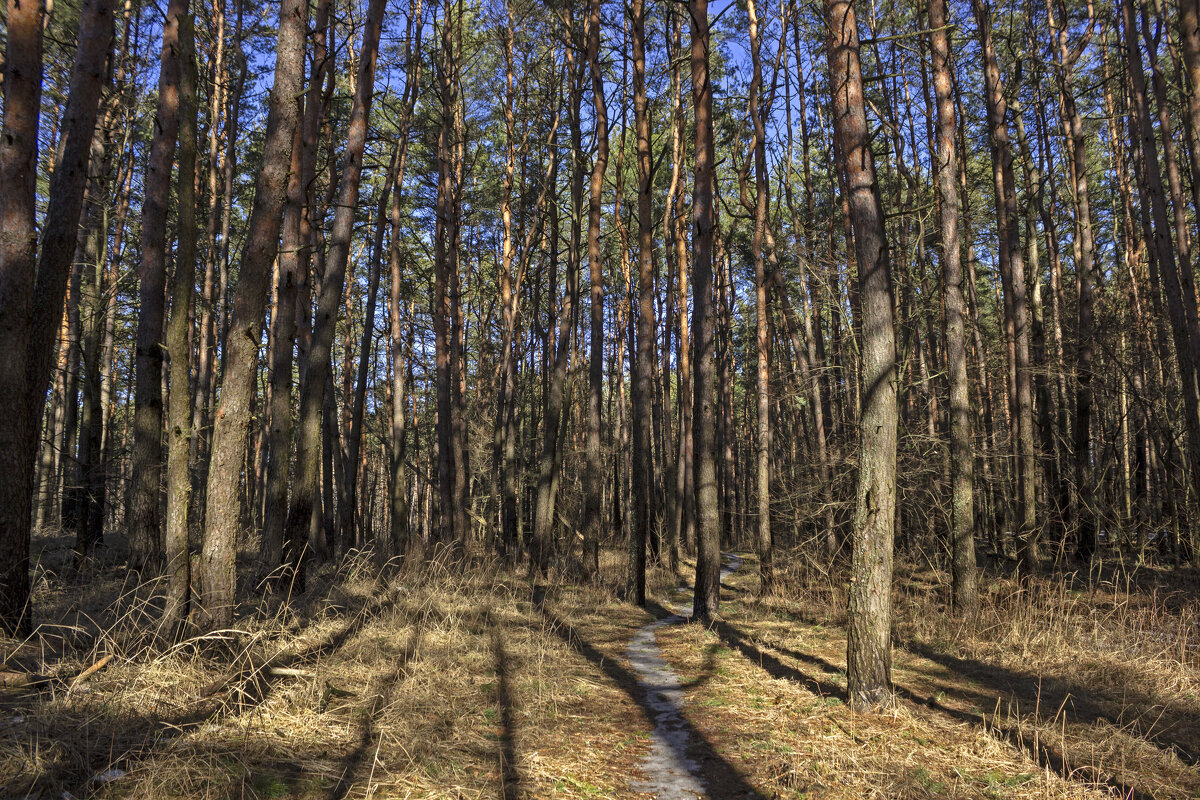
(218, 576)
(179, 479)
(594, 480)
(643, 365)
(317, 374)
(397, 491)
(31, 299)
(18, 268)
(143, 516)
(1181, 306)
(1086, 278)
(762, 460)
(443, 240)
(1012, 272)
(553, 419)
(707, 594)
(964, 591)
(868, 658)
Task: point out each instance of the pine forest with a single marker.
(593, 399)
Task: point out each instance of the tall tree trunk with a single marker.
(218, 576)
(18, 264)
(216, 332)
(762, 461)
(643, 366)
(594, 480)
(1086, 279)
(1181, 305)
(811, 307)
(92, 312)
(707, 594)
(868, 658)
(443, 242)
(964, 592)
(179, 479)
(31, 300)
(317, 375)
(291, 267)
(395, 177)
(549, 458)
(206, 344)
(1012, 272)
(503, 444)
(143, 517)
(397, 491)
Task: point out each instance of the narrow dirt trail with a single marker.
(671, 774)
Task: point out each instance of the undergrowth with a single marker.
(468, 680)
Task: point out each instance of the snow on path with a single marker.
(670, 773)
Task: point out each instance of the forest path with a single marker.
(671, 773)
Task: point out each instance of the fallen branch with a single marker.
(22, 680)
(290, 672)
(90, 671)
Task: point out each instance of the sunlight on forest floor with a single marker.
(473, 684)
(978, 714)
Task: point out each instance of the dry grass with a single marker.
(1057, 689)
(448, 683)
(471, 682)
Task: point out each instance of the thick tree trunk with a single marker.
(18, 262)
(31, 301)
(643, 390)
(707, 594)
(218, 576)
(868, 658)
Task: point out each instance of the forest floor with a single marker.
(471, 684)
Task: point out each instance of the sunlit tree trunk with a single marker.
(965, 594)
(397, 490)
(317, 375)
(762, 460)
(868, 659)
(1012, 272)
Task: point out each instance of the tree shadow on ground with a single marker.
(510, 774)
(1168, 727)
(1045, 753)
(721, 778)
(367, 735)
(81, 741)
